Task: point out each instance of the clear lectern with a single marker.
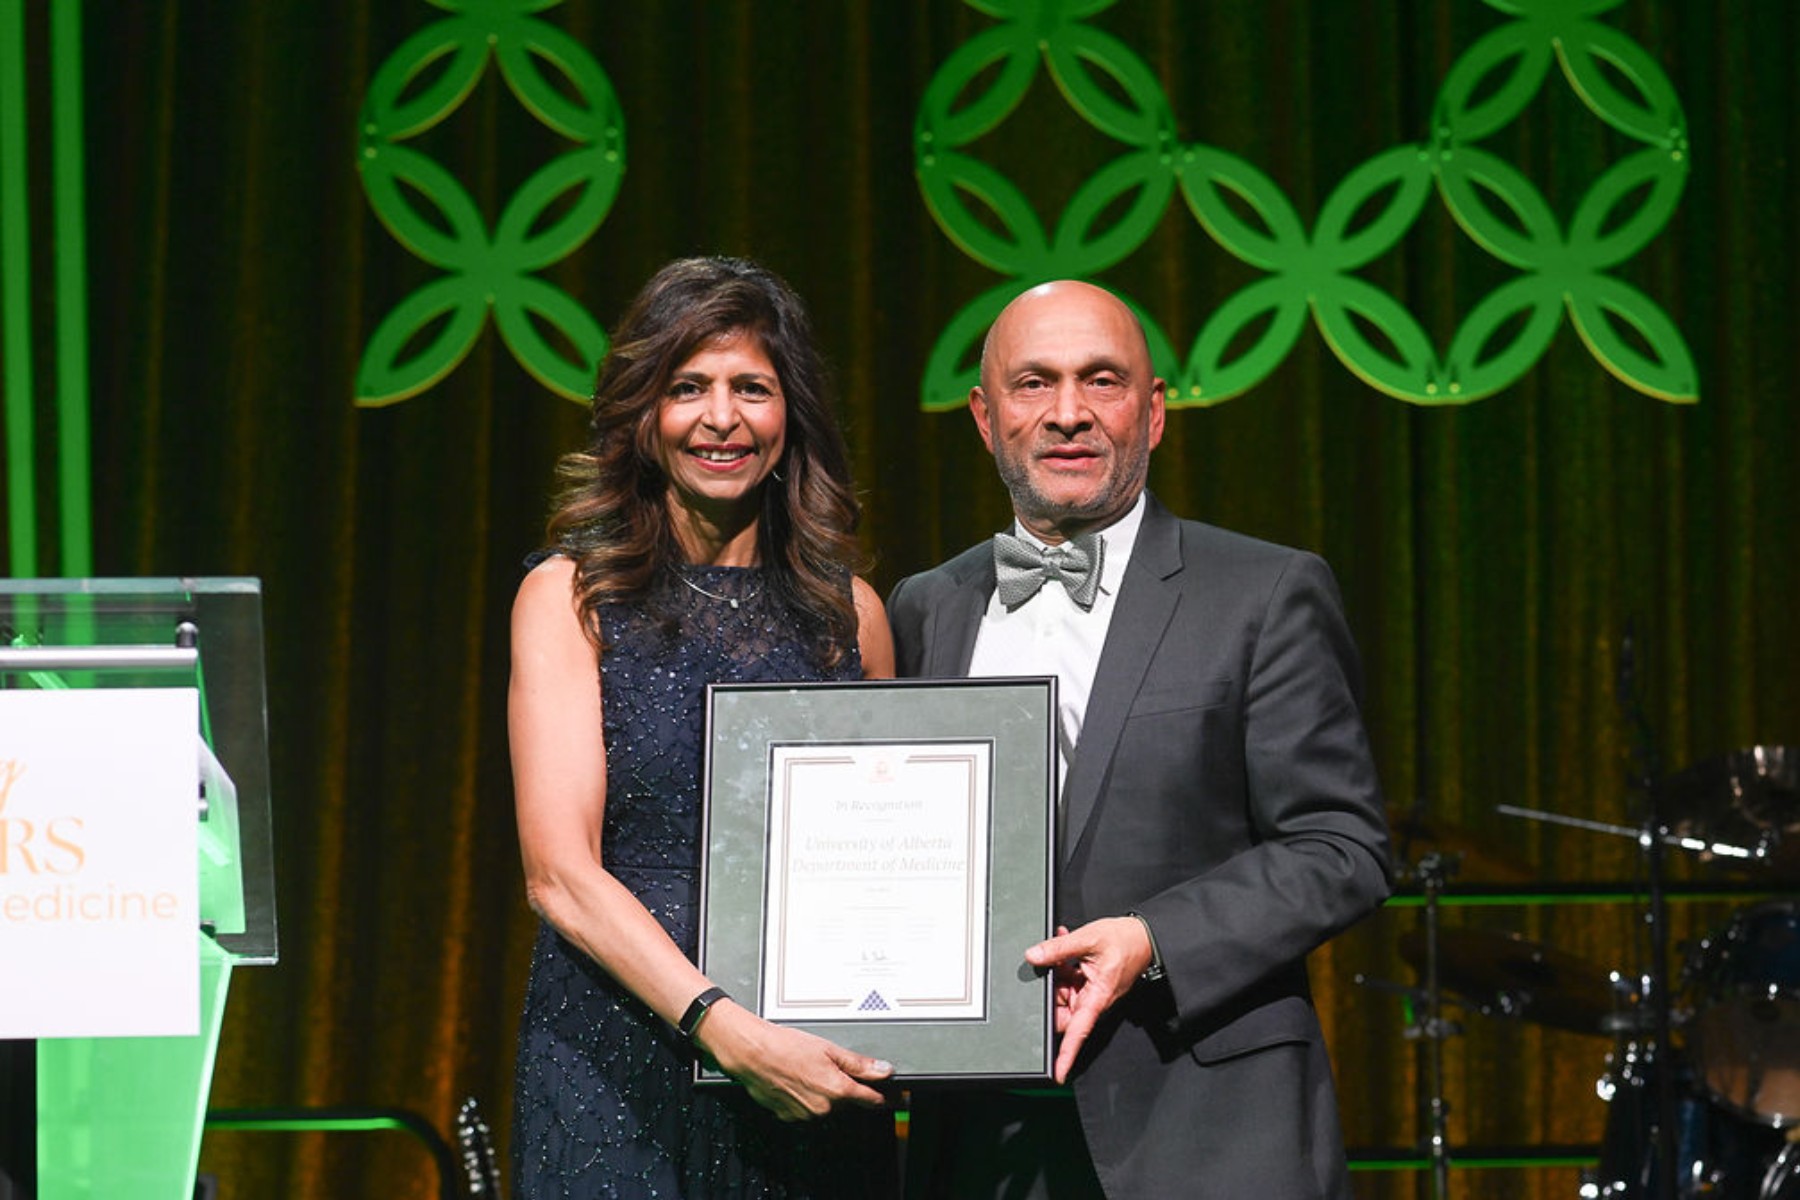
(115, 1116)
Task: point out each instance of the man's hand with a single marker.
(1094, 966)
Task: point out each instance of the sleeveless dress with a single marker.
(604, 1104)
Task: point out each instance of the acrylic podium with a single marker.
(122, 1116)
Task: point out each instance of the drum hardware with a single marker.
(1653, 835)
(1744, 805)
(1734, 1076)
(1662, 1157)
(1505, 975)
(1740, 809)
(1707, 850)
(1714, 1118)
(1744, 1038)
(1719, 1157)
(1432, 1027)
(1432, 872)
(1631, 1018)
(1417, 833)
(1783, 1176)
(1782, 1180)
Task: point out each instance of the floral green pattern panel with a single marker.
(1313, 271)
(433, 215)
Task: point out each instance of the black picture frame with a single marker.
(1007, 726)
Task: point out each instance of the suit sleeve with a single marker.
(1315, 852)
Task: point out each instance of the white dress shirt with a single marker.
(1049, 634)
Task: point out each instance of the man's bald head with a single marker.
(1059, 291)
(1070, 406)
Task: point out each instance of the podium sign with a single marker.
(98, 866)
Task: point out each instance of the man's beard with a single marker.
(1031, 503)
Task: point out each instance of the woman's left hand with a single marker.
(795, 1075)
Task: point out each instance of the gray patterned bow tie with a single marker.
(1020, 568)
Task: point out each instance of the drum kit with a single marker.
(1702, 1082)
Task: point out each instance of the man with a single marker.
(1220, 813)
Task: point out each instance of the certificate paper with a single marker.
(876, 907)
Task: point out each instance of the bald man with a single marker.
(1220, 812)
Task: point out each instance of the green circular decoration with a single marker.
(432, 214)
(1365, 216)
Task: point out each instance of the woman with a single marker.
(704, 535)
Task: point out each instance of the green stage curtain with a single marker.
(1493, 556)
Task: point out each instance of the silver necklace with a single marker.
(731, 600)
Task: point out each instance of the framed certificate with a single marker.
(876, 857)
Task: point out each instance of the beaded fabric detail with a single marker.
(603, 1103)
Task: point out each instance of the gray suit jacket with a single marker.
(1224, 789)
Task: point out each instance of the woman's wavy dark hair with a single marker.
(610, 515)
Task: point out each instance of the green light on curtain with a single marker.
(15, 297)
(74, 487)
(72, 456)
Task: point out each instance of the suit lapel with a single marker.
(1147, 600)
(950, 640)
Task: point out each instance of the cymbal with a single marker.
(1503, 974)
(1743, 805)
(1416, 834)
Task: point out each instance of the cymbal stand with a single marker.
(1643, 775)
(1432, 872)
(1663, 1137)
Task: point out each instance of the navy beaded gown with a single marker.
(603, 1103)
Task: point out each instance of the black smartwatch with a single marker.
(690, 1020)
(1154, 972)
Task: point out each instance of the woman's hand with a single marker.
(794, 1074)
